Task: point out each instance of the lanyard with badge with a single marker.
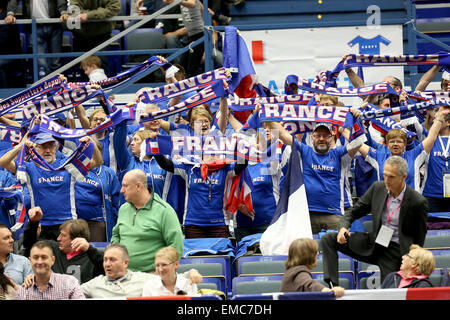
(385, 234)
(446, 172)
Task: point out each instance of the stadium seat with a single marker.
(209, 267)
(259, 264)
(141, 39)
(347, 283)
(256, 284)
(437, 242)
(209, 283)
(442, 261)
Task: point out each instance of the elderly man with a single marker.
(118, 280)
(146, 223)
(48, 285)
(323, 173)
(17, 267)
(48, 187)
(399, 217)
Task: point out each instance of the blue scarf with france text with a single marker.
(211, 92)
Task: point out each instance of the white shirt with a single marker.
(40, 9)
(155, 287)
(97, 75)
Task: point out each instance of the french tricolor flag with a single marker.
(239, 192)
(153, 146)
(291, 218)
(237, 59)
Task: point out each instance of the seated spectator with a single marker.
(302, 258)
(72, 252)
(167, 281)
(16, 267)
(118, 280)
(48, 285)
(92, 67)
(415, 270)
(8, 288)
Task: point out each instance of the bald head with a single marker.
(134, 188)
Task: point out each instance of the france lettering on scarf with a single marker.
(209, 93)
(7, 105)
(315, 113)
(378, 88)
(199, 145)
(244, 104)
(152, 95)
(385, 123)
(49, 126)
(428, 95)
(128, 75)
(59, 102)
(404, 110)
(368, 60)
(10, 133)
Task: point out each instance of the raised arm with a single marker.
(438, 124)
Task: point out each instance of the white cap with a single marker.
(323, 124)
(445, 75)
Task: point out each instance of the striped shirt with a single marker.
(59, 287)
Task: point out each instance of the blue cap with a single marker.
(323, 124)
(42, 138)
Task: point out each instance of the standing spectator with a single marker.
(191, 12)
(323, 168)
(9, 44)
(48, 285)
(437, 163)
(146, 223)
(7, 203)
(415, 270)
(46, 187)
(92, 33)
(48, 36)
(399, 216)
(17, 267)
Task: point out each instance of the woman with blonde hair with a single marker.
(167, 281)
(415, 270)
(302, 258)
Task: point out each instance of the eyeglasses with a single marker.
(396, 142)
(163, 265)
(201, 121)
(98, 119)
(411, 257)
(321, 136)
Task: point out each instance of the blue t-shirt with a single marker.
(53, 191)
(324, 178)
(433, 183)
(415, 158)
(265, 193)
(204, 199)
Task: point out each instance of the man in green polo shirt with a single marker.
(145, 224)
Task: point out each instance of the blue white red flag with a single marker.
(291, 218)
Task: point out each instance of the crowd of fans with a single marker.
(146, 205)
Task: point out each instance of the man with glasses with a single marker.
(323, 174)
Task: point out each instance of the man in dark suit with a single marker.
(399, 216)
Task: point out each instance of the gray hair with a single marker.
(121, 247)
(399, 162)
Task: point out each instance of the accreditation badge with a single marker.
(446, 183)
